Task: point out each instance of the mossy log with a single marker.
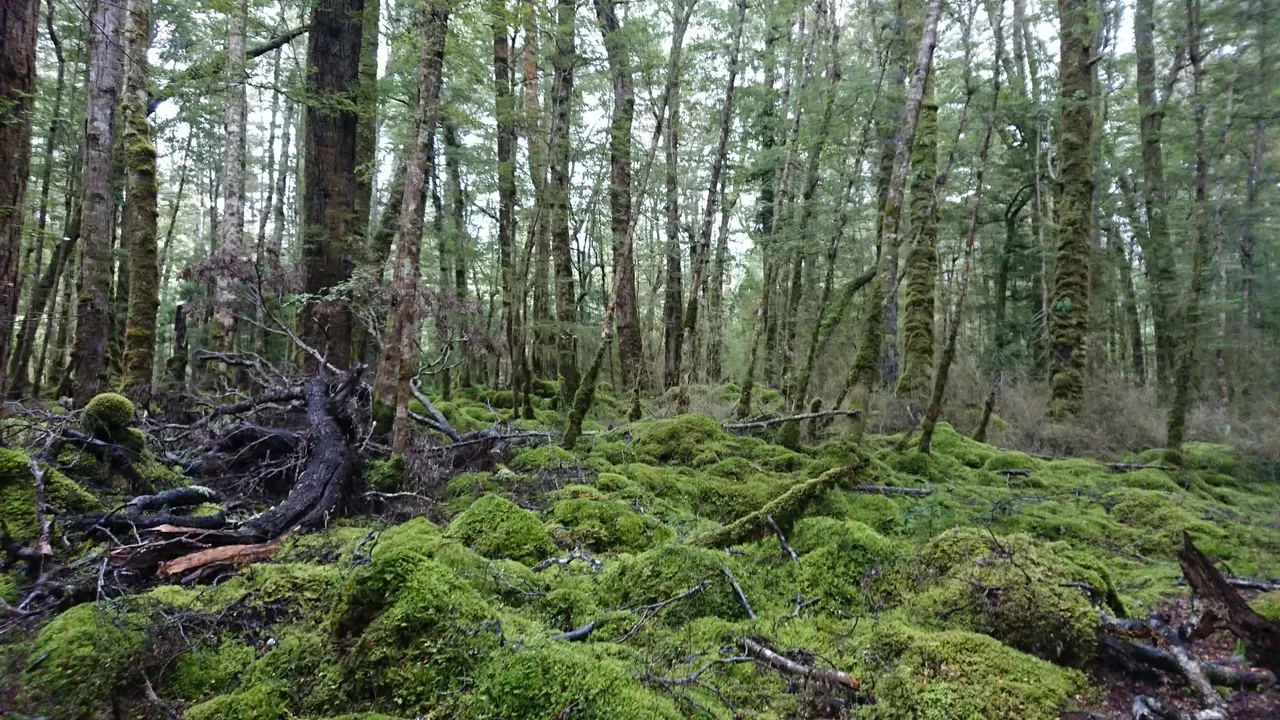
(782, 510)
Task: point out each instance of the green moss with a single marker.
(263, 702)
(681, 440)
(386, 475)
(86, 652)
(788, 436)
(841, 560)
(540, 458)
(1268, 605)
(1151, 479)
(412, 631)
(497, 528)
(959, 675)
(18, 495)
(1162, 518)
(303, 587)
(208, 670)
(605, 525)
(916, 380)
(554, 679)
(784, 509)
(566, 608)
(664, 572)
(968, 451)
(108, 417)
(83, 467)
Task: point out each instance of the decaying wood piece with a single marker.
(1137, 659)
(577, 635)
(227, 554)
(1260, 636)
(1189, 667)
(789, 667)
(768, 422)
(177, 497)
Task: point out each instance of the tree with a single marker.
(563, 59)
(231, 224)
(19, 23)
(504, 111)
(1069, 318)
(97, 205)
(399, 363)
(329, 224)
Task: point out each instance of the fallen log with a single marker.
(578, 635)
(1260, 636)
(1132, 656)
(177, 497)
(779, 512)
(753, 424)
(100, 523)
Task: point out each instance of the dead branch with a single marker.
(578, 635)
(753, 424)
(782, 538)
(44, 547)
(789, 667)
(176, 497)
(1188, 665)
(648, 612)
(437, 420)
(226, 554)
(1253, 584)
(586, 557)
(894, 490)
(97, 524)
(1145, 707)
(737, 590)
(1135, 657)
(1260, 636)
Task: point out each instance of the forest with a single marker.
(573, 359)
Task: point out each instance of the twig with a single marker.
(578, 635)
(586, 557)
(787, 666)
(782, 539)
(648, 612)
(737, 590)
(163, 706)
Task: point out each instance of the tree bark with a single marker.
(19, 24)
(89, 356)
(866, 363)
(1069, 306)
(630, 343)
(563, 59)
(922, 259)
(330, 225)
(399, 363)
(231, 225)
(367, 123)
(504, 112)
(140, 214)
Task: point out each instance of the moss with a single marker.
(1268, 605)
(1151, 479)
(541, 458)
(83, 467)
(681, 440)
(957, 675)
(18, 495)
(735, 468)
(264, 702)
(566, 608)
(548, 679)
(968, 451)
(208, 670)
(664, 572)
(206, 599)
(604, 525)
(86, 652)
(304, 587)
(108, 417)
(784, 510)
(840, 560)
(335, 544)
(386, 475)
(916, 380)
(1162, 518)
(788, 436)
(304, 670)
(615, 452)
(496, 528)
(412, 630)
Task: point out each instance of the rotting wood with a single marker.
(1260, 636)
(228, 554)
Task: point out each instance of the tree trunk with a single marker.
(1069, 318)
(282, 185)
(715, 189)
(330, 225)
(630, 344)
(922, 259)
(715, 294)
(1129, 308)
(866, 363)
(1159, 256)
(1184, 381)
(89, 357)
(399, 363)
(457, 232)
(504, 111)
(367, 123)
(19, 24)
(543, 339)
(231, 225)
(140, 214)
(260, 242)
(563, 59)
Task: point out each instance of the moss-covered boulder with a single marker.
(18, 495)
(412, 631)
(694, 440)
(108, 417)
(83, 654)
(962, 676)
(498, 528)
(558, 679)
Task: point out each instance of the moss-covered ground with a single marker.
(979, 600)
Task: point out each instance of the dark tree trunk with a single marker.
(330, 224)
(506, 141)
(563, 59)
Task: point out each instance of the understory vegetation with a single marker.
(664, 568)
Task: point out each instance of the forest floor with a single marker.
(666, 568)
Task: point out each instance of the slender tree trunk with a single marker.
(19, 25)
(866, 363)
(63, 350)
(543, 338)
(40, 296)
(1069, 319)
(399, 363)
(260, 243)
(330, 225)
(715, 294)
(1185, 379)
(140, 214)
(367, 123)
(1159, 256)
(1129, 308)
(715, 189)
(89, 356)
(282, 185)
(457, 231)
(504, 111)
(1250, 307)
(563, 59)
(51, 141)
(176, 206)
(922, 259)
(630, 344)
(934, 411)
(231, 225)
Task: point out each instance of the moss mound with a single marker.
(108, 417)
(664, 572)
(497, 528)
(602, 525)
(18, 495)
(694, 440)
(85, 652)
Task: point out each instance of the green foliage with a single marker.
(497, 528)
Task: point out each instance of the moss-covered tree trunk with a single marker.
(140, 213)
(866, 363)
(922, 259)
(1129, 309)
(399, 363)
(1185, 380)
(1069, 304)
(673, 282)
(89, 355)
